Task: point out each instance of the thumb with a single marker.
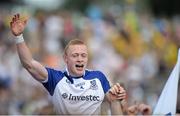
(26, 20)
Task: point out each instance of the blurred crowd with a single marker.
(135, 49)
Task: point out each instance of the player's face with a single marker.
(76, 59)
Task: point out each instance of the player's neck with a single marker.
(74, 75)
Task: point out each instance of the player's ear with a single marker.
(65, 57)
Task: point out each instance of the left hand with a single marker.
(17, 24)
(116, 92)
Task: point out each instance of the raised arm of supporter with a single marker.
(115, 95)
(38, 71)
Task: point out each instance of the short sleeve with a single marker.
(104, 82)
(54, 76)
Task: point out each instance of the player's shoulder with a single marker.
(94, 73)
(54, 71)
(90, 71)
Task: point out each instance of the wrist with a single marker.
(109, 97)
(19, 39)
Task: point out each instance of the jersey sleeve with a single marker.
(54, 77)
(104, 82)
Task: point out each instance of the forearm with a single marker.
(108, 97)
(33, 67)
(23, 51)
(37, 70)
(24, 55)
(116, 108)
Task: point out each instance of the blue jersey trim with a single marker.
(54, 77)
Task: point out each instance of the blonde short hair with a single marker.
(73, 42)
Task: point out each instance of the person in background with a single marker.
(75, 90)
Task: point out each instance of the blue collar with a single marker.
(70, 78)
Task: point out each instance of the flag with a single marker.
(168, 99)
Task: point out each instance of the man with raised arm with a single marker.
(74, 90)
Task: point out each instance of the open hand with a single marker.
(17, 24)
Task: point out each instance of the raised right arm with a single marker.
(36, 69)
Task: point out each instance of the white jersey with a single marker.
(77, 95)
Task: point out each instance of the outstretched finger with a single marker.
(122, 90)
(25, 21)
(122, 96)
(18, 16)
(118, 87)
(13, 19)
(11, 23)
(114, 89)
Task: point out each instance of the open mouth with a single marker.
(79, 65)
